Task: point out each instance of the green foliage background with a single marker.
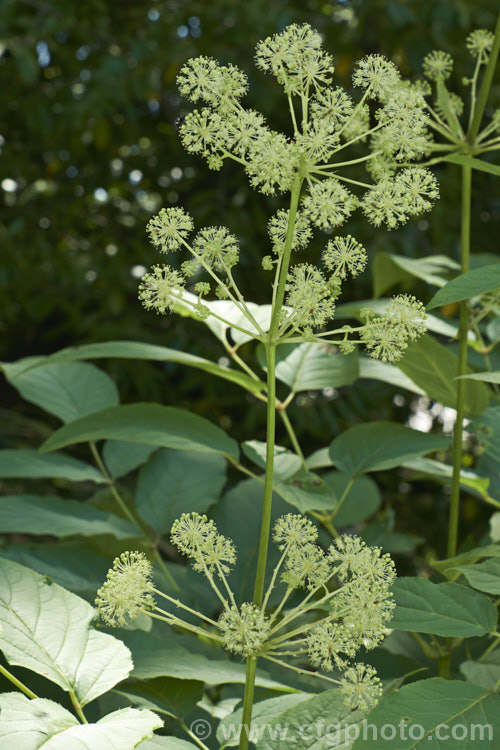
(88, 108)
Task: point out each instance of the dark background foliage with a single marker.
(88, 107)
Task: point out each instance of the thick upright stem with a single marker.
(268, 484)
(265, 527)
(462, 367)
(246, 717)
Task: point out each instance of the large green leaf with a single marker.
(467, 285)
(320, 723)
(469, 480)
(389, 270)
(121, 457)
(157, 656)
(306, 492)
(361, 501)
(433, 367)
(433, 714)
(67, 389)
(381, 445)
(153, 424)
(166, 743)
(445, 609)
(484, 576)
(313, 366)
(263, 713)
(468, 161)
(139, 350)
(485, 673)
(375, 369)
(286, 463)
(485, 377)
(41, 724)
(72, 564)
(175, 482)
(35, 514)
(450, 567)
(47, 629)
(487, 429)
(163, 694)
(27, 464)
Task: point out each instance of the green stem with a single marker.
(270, 346)
(17, 683)
(268, 483)
(341, 501)
(293, 437)
(485, 86)
(444, 666)
(462, 367)
(133, 519)
(247, 703)
(77, 707)
(330, 527)
(192, 735)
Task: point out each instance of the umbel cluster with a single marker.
(346, 601)
(383, 130)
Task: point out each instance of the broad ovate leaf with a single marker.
(433, 714)
(150, 424)
(376, 446)
(445, 609)
(41, 724)
(48, 630)
(69, 390)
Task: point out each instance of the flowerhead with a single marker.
(407, 313)
(217, 248)
(437, 64)
(332, 107)
(127, 590)
(480, 42)
(309, 296)
(329, 644)
(278, 229)
(361, 687)
(244, 630)
(306, 566)
(169, 228)
(203, 78)
(293, 530)
(328, 203)
(198, 538)
(343, 254)
(295, 58)
(161, 289)
(377, 75)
